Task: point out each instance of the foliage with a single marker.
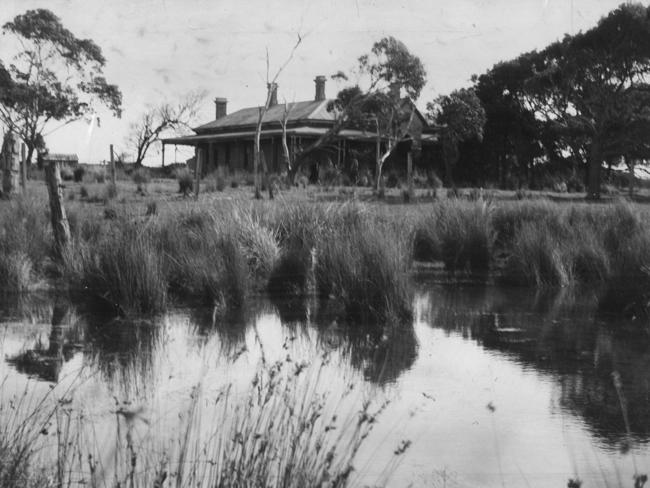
(55, 77)
(185, 182)
(462, 117)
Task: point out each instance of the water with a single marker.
(492, 387)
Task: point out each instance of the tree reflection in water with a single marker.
(560, 333)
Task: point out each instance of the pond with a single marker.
(490, 386)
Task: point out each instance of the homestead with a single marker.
(228, 140)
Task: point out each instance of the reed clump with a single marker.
(458, 233)
(25, 243)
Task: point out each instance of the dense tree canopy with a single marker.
(54, 76)
(461, 117)
(586, 95)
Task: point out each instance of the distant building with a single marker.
(64, 160)
(228, 140)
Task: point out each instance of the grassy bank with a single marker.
(135, 256)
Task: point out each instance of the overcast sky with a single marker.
(160, 49)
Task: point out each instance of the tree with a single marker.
(462, 117)
(511, 135)
(54, 77)
(386, 73)
(271, 91)
(147, 130)
(594, 85)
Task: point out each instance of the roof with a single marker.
(348, 134)
(67, 158)
(313, 110)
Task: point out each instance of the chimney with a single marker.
(273, 88)
(220, 107)
(320, 88)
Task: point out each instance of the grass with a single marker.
(279, 430)
(226, 246)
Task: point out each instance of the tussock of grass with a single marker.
(123, 269)
(367, 272)
(458, 233)
(25, 243)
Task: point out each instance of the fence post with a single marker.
(60, 226)
(112, 166)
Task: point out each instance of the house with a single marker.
(65, 160)
(228, 140)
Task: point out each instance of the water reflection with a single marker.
(45, 359)
(559, 333)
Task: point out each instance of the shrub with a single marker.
(124, 269)
(100, 176)
(66, 174)
(185, 182)
(152, 208)
(110, 192)
(538, 257)
(575, 184)
(141, 179)
(234, 183)
(16, 271)
(366, 272)
(83, 192)
(392, 179)
(458, 233)
(79, 174)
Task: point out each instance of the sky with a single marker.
(159, 50)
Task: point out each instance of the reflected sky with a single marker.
(492, 386)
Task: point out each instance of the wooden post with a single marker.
(163, 154)
(60, 225)
(197, 172)
(112, 166)
(23, 167)
(10, 164)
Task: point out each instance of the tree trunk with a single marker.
(10, 164)
(593, 176)
(378, 159)
(23, 168)
(60, 226)
(630, 165)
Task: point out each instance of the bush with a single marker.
(79, 174)
(152, 208)
(83, 192)
(575, 185)
(458, 233)
(366, 272)
(124, 270)
(66, 174)
(100, 176)
(392, 179)
(110, 192)
(185, 182)
(141, 179)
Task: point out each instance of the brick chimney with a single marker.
(273, 88)
(320, 88)
(220, 107)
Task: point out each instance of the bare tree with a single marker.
(148, 129)
(271, 85)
